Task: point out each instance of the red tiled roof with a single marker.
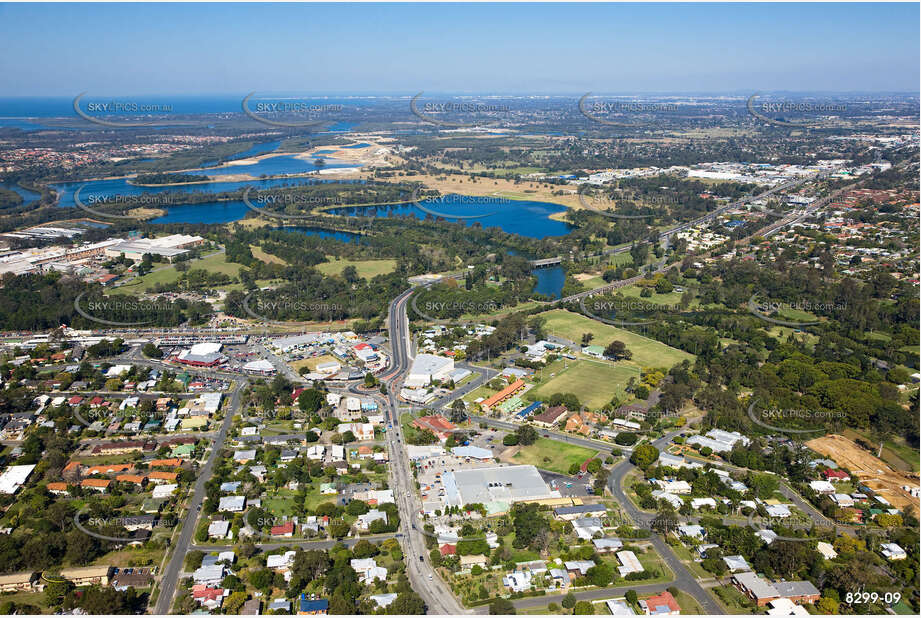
(447, 549)
(435, 423)
(665, 598)
(505, 392)
(285, 528)
(95, 483)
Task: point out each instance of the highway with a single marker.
(437, 595)
(170, 576)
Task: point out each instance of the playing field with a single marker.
(367, 269)
(646, 352)
(552, 455)
(166, 274)
(595, 383)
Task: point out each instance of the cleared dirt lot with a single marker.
(873, 472)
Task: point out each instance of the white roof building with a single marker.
(629, 563)
(822, 487)
(778, 510)
(280, 561)
(702, 502)
(233, 504)
(828, 552)
(14, 477)
(164, 491)
(428, 367)
(364, 521)
(218, 529)
(893, 551)
(785, 607)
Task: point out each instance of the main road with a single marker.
(422, 574)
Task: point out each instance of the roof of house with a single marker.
(163, 476)
(659, 602)
(285, 528)
(505, 392)
(165, 463)
(95, 483)
(130, 478)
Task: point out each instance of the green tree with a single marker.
(583, 608)
(501, 606)
(527, 435)
(407, 603)
(644, 455)
(569, 601)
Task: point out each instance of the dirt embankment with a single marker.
(872, 471)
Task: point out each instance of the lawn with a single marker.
(214, 263)
(28, 598)
(552, 455)
(595, 383)
(895, 453)
(367, 269)
(646, 352)
(312, 362)
(671, 298)
(280, 505)
(688, 604)
(684, 554)
(268, 258)
(733, 601)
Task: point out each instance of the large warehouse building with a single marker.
(502, 484)
(426, 368)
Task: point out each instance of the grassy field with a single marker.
(268, 258)
(733, 601)
(688, 604)
(367, 269)
(552, 455)
(634, 291)
(215, 263)
(312, 362)
(28, 598)
(595, 383)
(646, 352)
(895, 453)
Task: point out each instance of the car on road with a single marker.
(420, 559)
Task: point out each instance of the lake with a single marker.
(525, 218)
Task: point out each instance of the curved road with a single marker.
(684, 579)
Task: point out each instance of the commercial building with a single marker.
(507, 485)
(718, 440)
(25, 580)
(168, 247)
(428, 368)
(437, 424)
(87, 576)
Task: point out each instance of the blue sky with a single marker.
(144, 49)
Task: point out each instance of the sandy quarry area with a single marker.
(873, 472)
